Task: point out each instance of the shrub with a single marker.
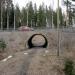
(2, 45)
(69, 67)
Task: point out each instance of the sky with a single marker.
(53, 3)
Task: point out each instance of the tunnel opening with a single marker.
(31, 45)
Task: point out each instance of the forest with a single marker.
(30, 15)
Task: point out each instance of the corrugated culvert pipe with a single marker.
(37, 40)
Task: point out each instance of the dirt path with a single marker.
(27, 61)
(19, 63)
(36, 61)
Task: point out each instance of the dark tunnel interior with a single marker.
(30, 44)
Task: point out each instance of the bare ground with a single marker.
(32, 62)
(40, 61)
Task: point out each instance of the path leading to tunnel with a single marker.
(28, 60)
(19, 63)
(37, 61)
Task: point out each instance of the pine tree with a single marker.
(24, 16)
(30, 13)
(17, 16)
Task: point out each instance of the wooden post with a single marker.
(58, 29)
(1, 18)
